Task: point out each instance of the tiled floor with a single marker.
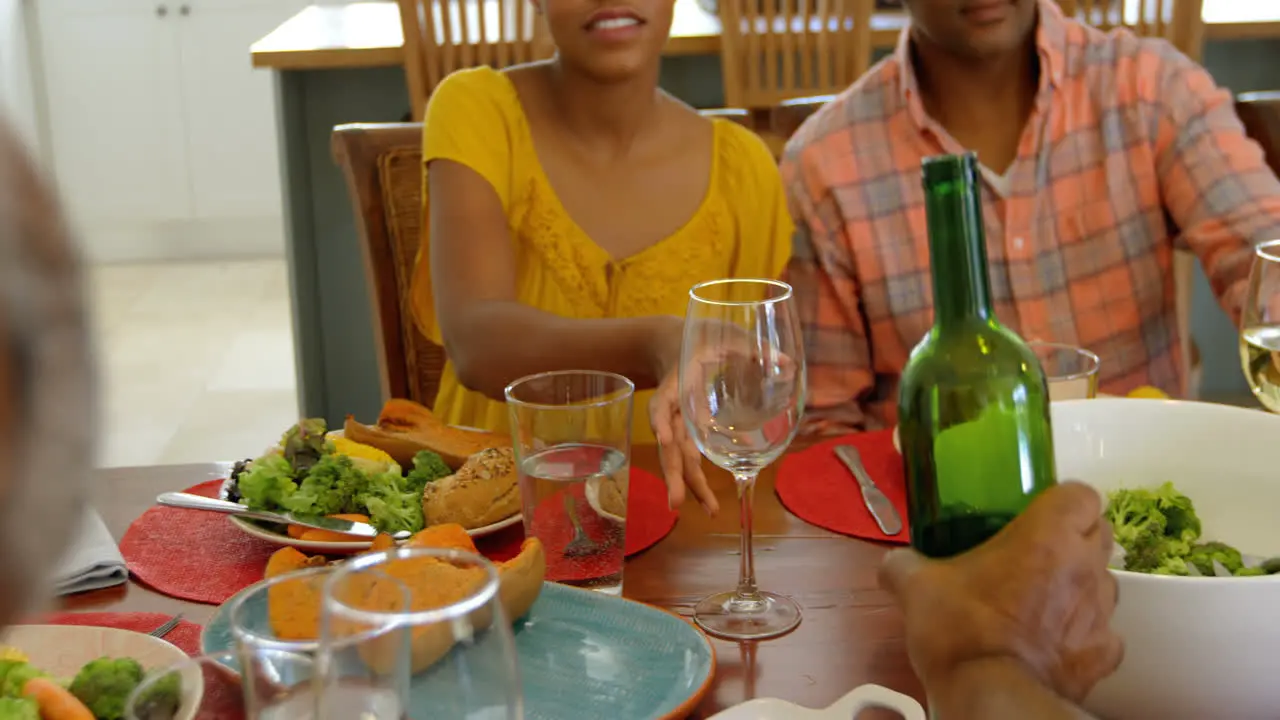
(196, 360)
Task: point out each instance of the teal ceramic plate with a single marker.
(583, 654)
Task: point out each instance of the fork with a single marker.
(166, 628)
(581, 544)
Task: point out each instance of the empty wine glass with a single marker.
(1260, 326)
(742, 389)
(431, 642)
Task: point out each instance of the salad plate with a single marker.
(61, 650)
(278, 535)
(642, 662)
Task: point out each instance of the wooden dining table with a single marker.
(851, 632)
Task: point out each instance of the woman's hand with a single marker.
(680, 458)
(1038, 593)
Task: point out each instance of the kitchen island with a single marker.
(341, 64)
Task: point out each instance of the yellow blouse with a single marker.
(741, 229)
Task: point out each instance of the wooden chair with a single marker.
(776, 50)
(1260, 113)
(441, 36)
(1178, 21)
(383, 168)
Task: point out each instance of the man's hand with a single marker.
(1038, 594)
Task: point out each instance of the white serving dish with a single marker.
(1195, 648)
(862, 698)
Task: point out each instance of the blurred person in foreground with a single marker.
(1100, 152)
(570, 205)
(1018, 627)
(47, 401)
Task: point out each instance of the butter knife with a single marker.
(199, 502)
(877, 503)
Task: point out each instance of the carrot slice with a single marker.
(55, 701)
(313, 535)
(298, 532)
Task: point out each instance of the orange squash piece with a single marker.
(382, 542)
(286, 560)
(294, 606)
(450, 535)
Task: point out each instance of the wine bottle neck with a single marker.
(957, 252)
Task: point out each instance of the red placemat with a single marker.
(186, 636)
(648, 521)
(193, 554)
(816, 487)
(222, 699)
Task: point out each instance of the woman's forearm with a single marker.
(998, 689)
(493, 343)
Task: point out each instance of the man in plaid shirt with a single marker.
(1099, 151)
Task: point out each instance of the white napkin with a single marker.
(93, 561)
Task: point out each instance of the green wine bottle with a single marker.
(973, 405)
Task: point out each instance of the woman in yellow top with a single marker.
(571, 204)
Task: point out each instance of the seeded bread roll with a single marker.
(483, 491)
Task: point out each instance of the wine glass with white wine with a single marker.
(1260, 326)
(742, 388)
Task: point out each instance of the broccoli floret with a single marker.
(19, 709)
(329, 488)
(268, 483)
(160, 699)
(304, 444)
(1251, 572)
(104, 685)
(1203, 555)
(7, 666)
(1171, 565)
(427, 468)
(16, 678)
(391, 508)
(1156, 528)
(1181, 520)
(1134, 518)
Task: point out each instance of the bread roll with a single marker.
(404, 428)
(483, 491)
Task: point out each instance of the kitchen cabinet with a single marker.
(162, 135)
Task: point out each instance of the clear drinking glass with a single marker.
(1260, 326)
(742, 388)
(271, 685)
(416, 632)
(1072, 372)
(572, 433)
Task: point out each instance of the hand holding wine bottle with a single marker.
(1038, 595)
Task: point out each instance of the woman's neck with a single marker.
(607, 118)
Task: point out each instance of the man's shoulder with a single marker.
(872, 100)
(1118, 60)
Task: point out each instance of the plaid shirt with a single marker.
(1130, 148)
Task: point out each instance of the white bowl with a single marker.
(1195, 648)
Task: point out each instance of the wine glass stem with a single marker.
(747, 591)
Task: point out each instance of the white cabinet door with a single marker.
(115, 120)
(230, 109)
